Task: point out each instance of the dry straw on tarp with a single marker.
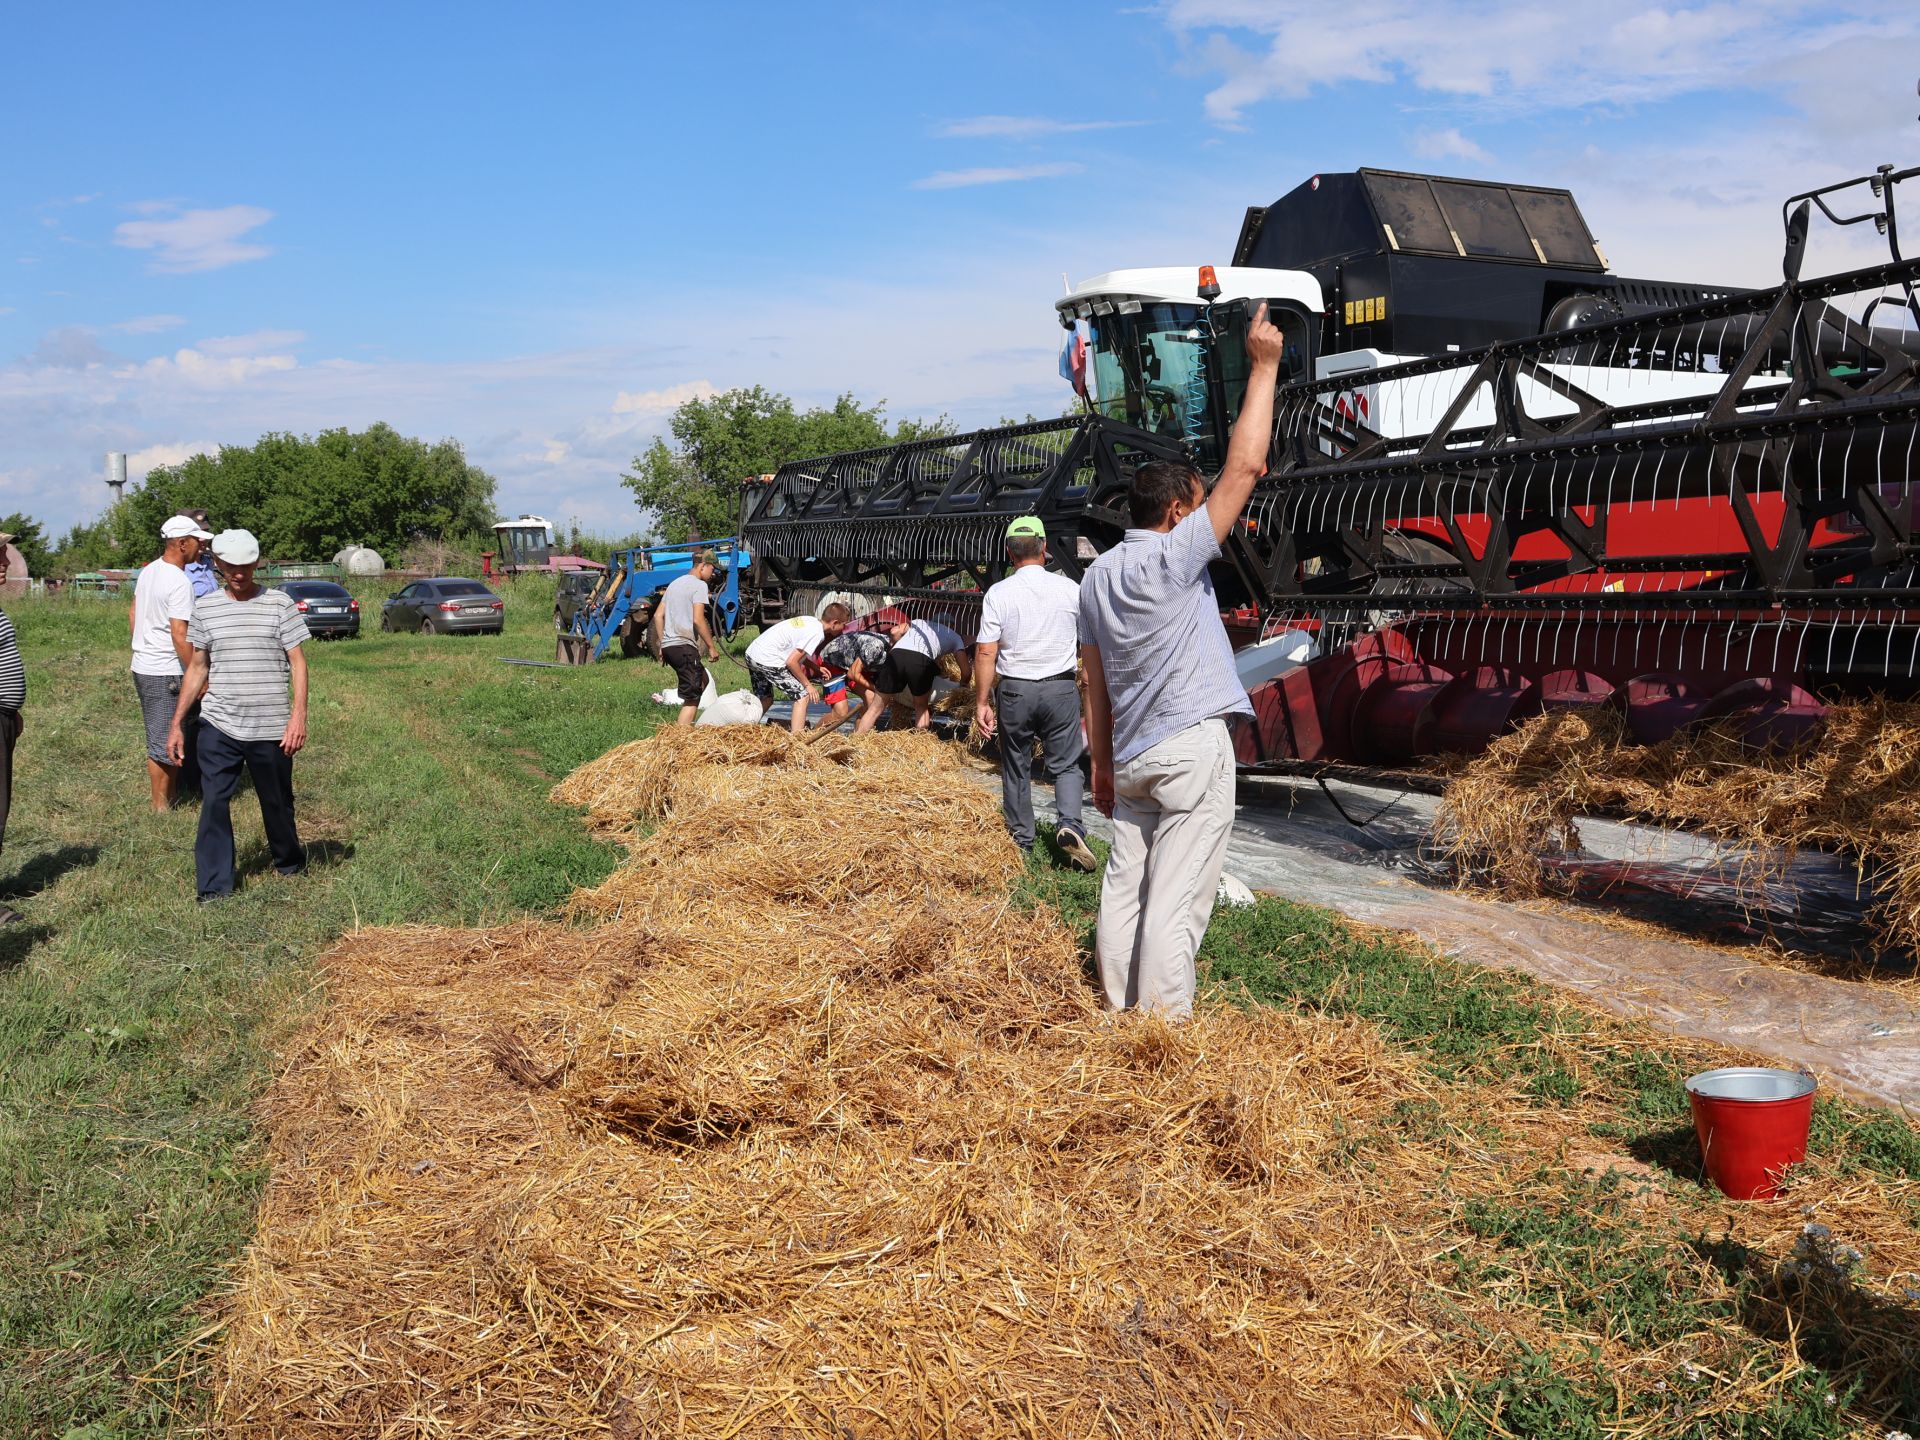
(816, 1134)
(1853, 788)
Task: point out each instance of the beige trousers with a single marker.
(1172, 813)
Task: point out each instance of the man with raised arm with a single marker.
(1160, 686)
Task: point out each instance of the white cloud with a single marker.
(149, 324)
(1513, 55)
(152, 457)
(195, 240)
(660, 402)
(995, 175)
(197, 368)
(556, 452)
(1023, 127)
(70, 348)
(1449, 144)
(251, 343)
(6, 309)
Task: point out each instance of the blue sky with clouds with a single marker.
(537, 229)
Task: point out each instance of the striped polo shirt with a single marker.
(13, 675)
(247, 643)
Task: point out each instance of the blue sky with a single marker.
(536, 229)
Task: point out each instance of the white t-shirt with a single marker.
(773, 645)
(929, 638)
(1034, 617)
(162, 593)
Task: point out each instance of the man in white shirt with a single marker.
(907, 672)
(777, 659)
(1026, 663)
(162, 606)
(682, 631)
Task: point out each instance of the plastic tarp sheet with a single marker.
(1291, 839)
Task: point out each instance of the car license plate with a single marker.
(328, 610)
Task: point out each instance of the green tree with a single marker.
(693, 486)
(30, 540)
(91, 546)
(307, 497)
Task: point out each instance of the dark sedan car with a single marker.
(444, 606)
(326, 607)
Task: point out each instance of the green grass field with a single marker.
(137, 1029)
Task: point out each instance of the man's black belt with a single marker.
(1043, 680)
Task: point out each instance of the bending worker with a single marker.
(1160, 686)
(907, 672)
(777, 659)
(1025, 661)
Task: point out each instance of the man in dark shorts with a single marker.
(908, 670)
(684, 632)
(163, 601)
(13, 696)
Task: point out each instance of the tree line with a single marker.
(305, 497)
(308, 497)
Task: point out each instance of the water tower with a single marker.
(117, 473)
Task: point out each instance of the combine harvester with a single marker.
(1502, 478)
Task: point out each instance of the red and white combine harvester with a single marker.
(1502, 477)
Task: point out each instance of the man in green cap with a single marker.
(1025, 663)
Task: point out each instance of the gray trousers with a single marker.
(1049, 711)
(1172, 814)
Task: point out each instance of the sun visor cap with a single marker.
(236, 547)
(1027, 527)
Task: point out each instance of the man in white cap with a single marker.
(162, 605)
(246, 643)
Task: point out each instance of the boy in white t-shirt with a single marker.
(778, 657)
(162, 606)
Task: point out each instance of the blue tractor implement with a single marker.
(622, 604)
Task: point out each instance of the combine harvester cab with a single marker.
(1502, 478)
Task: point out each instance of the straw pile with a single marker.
(1853, 789)
(817, 1134)
(813, 1133)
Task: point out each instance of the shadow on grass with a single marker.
(1674, 1149)
(42, 870)
(19, 940)
(256, 859)
(1867, 1345)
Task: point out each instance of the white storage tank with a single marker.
(359, 560)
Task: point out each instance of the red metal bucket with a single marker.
(1752, 1124)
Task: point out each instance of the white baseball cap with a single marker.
(236, 547)
(179, 527)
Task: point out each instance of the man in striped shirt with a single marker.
(246, 643)
(13, 695)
